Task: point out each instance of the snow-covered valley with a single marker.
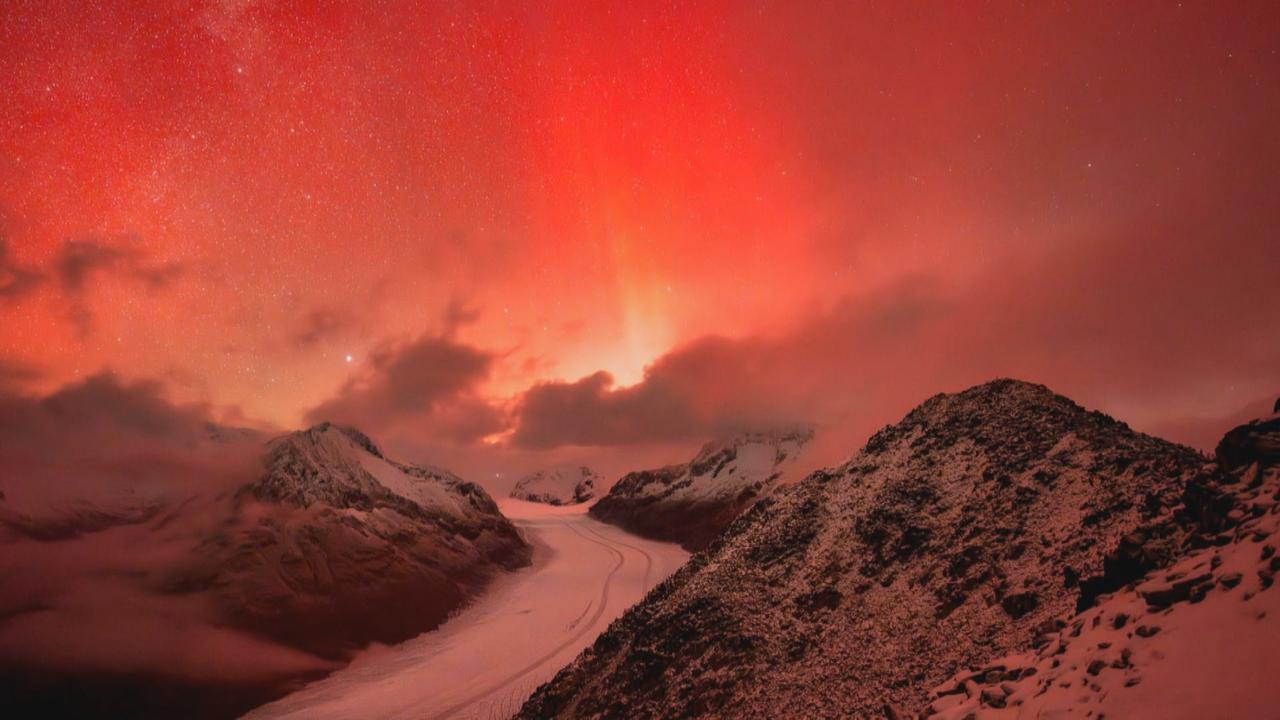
(489, 657)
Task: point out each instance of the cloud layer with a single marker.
(430, 383)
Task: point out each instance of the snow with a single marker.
(559, 485)
(423, 492)
(484, 662)
(1211, 654)
(755, 460)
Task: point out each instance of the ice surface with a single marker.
(484, 662)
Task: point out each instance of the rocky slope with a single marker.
(336, 545)
(979, 521)
(692, 503)
(1195, 640)
(564, 485)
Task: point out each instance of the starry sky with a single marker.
(528, 231)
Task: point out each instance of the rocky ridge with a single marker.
(1195, 639)
(959, 534)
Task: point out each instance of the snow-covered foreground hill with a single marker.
(487, 659)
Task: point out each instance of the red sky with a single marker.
(784, 211)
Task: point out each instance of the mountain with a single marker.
(977, 523)
(1197, 639)
(336, 545)
(692, 503)
(564, 485)
(229, 589)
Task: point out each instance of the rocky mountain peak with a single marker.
(335, 545)
(951, 535)
(352, 434)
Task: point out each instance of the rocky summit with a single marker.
(335, 545)
(970, 529)
(692, 503)
(1195, 639)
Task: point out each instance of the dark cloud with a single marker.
(16, 281)
(159, 276)
(321, 325)
(458, 314)
(430, 382)
(80, 262)
(101, 436)
(716, 384)
(592, 412)
(1138, 351)
(92, 478)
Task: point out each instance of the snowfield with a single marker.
(489, 657)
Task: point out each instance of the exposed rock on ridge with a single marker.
(953, 536)
(1193, 640)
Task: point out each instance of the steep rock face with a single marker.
(336, 546)
(950, 538)
(1196, 639)
(693, 503)
(566, 485)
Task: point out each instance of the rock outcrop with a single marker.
(694, 502)
(1195, 639)
(962, 533)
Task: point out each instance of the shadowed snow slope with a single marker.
(950, 538)
(486, 660)
(694, 502)
(563, 485)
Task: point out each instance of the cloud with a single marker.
(320, 325)
(106, 440)
(592, 412)
(430, 383)
(89, 475)
(16, 281)
(718, 384)
(458, 314)
(80, 261)
(1143, 352)
(77, 265)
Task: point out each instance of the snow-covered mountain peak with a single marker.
(341, 467)
(692, 503)
(560, 485)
